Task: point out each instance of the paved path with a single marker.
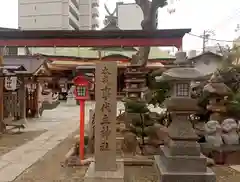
(59, 123)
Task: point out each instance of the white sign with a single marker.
(11, 83)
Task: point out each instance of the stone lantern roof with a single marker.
(217, 88)
(180, 74)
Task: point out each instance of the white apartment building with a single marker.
(58, 14)
(129, 16)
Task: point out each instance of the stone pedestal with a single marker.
(105, 176)
(183, 168)
(181, 159)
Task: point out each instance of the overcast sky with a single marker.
(219, 15)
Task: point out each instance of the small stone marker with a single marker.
(105, 168)
(91, 130)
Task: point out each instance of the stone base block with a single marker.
(105, 176)
(184, 148)
(183, 163)
(166, 176)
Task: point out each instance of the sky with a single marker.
(221, 16)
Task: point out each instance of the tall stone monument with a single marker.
(105, 168)
(180, 158)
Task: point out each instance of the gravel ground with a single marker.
(49, 169)
(140, 174)
(226, 174)
(11, 140)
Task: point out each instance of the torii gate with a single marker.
(91, 38)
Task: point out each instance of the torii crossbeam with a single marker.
(92, 38)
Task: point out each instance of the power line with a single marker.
(219, 40)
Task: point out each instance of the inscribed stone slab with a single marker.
(105, 116)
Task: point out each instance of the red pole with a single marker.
(81, 129)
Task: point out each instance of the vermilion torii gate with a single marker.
(92, 38)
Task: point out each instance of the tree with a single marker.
(149, 10)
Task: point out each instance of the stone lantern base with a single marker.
(180, 160)
(183, 168)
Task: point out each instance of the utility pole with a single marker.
(205, 36)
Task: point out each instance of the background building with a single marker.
(129, 16)
(58, 14)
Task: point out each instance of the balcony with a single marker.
(95, 12)
(75, 3)
(73, 15)
(73, 10)
(95, 3)
(73, 24)
(73, 21)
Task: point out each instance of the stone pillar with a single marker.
(180, 159)
(105, 168)
(22, 98)
(38, 100)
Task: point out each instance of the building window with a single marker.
(182, 89)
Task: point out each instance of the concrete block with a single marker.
(10, 172)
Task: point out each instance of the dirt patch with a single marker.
(226, 174)
(49, 168)
(140, 174)
(10, 141)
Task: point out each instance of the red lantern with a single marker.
(82, 88)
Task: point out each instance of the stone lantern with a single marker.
(135, 80)
(217, 103)
(180, 158)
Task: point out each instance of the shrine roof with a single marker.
(91, 34)
(30, 63)
(217, 88)
(205, 53)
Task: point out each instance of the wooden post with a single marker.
(22, 93)
(37, 99)
(2, 126)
